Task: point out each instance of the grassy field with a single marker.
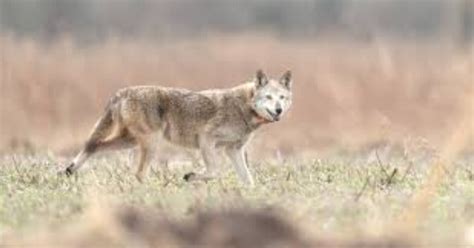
(347, 166)
(340, 197)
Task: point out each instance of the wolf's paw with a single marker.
(67, 172)
(189, 176)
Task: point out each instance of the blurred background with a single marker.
(366, 72)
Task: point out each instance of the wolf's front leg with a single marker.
(237, 156)
(209, 155)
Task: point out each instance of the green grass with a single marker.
(338, 195)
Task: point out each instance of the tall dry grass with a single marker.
(346, 93)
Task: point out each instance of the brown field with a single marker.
(397, 113)
(347, 95)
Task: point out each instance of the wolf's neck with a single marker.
(244, 92)
(243, 97)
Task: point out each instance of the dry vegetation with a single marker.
(339, 201)
(387, 109)
(347, 94)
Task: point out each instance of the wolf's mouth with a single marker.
(274, 116)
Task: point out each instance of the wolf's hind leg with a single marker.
(143, 159)
(143, 138)
(123, 141)
(102, 130)
(84, 154)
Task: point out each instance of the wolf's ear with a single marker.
(286, 80)
(260, 79)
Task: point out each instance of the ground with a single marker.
(337, 195)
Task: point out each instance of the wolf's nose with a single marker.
(278, 111)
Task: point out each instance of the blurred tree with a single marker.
(90, 20)
(467, 21)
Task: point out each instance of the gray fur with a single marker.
(205, 120)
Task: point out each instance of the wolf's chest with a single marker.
(230, 133)
(236, 132)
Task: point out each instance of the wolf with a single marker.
(209, 120)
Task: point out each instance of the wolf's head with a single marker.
(272, 97)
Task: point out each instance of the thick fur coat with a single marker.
(205, 120)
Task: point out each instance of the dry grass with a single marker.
(336, 201)
(347, 94)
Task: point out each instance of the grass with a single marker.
(338, 195)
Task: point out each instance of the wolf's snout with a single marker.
(278, 111)
(274, 116)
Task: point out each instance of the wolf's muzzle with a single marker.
(275, 116)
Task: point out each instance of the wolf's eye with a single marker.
(282, 97)
(269, 97)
